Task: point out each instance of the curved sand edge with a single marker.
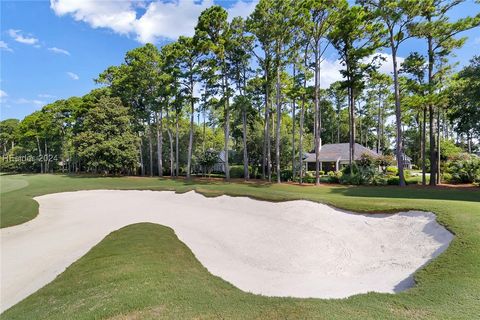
(295, 248)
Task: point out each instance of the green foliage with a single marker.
(236, 172)
(108, 143)
(391, 171)
(208, 159)
(449, 150)
(385, 162)
(366, 160)
(286, 175)
(464, 170)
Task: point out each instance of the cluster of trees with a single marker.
(253, 86)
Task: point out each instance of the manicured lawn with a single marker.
(144, 272)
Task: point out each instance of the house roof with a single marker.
(340, 151)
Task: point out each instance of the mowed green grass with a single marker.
(144, 272)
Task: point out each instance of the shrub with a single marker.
(358, 175)
(394, 181)
(407, 173)
(366, 160)
(309, 179)
(236, 171)
(384, 162)
(465, 170)
(391, 171)
(208, 159)
(447, 177)
(286, 175)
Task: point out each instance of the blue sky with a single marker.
(54, 50)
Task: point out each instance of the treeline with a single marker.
(249, 89)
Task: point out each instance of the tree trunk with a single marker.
(293, 126)
(46, 158)
(379, 120)
(227, 121)
(317, 121)
(300, 142)
(142, 165)
(204, 129)
(150, 149)
(265, 131)
(438, 148)
(42, 168)
(279, 117)
(398, 115)
(433, 166)
(190, 137)
(160, 143)
(352, 128)
(266, 135)
(170, 139)
(469, 142)
(177, 164)
(424, 141)
(246, 174)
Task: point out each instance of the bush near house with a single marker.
(464, 169)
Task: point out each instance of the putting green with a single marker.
(11, 183)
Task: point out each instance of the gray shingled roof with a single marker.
(332, 152)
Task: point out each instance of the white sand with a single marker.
(294, 248)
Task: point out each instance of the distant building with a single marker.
(220, 165)
(407, 162)
(335, 156)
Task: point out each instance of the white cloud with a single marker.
(476, 40)
(169, 20)
(29, 101)
(116, 15)
(386, 64)
(59, 51)
(241, 9)
(329, 72)
(330, 69)
(19, 37)
(3, 94)
(73, 76)
(4, 46)
(160, 20)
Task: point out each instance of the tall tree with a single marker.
(188, 58)
(415, 66)
(256, 22)
(108, 143)
(213, 34)
(439, 33)
(396, 16)
(338, 95)
(379, 87)
(136, 82)
(355, 36)
(283, 30)
(319, 19)
(238, 51)
(465, 100)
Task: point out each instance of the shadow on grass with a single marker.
(411, 192)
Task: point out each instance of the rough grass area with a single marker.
(144, 272)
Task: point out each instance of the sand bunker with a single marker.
(294, 248)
